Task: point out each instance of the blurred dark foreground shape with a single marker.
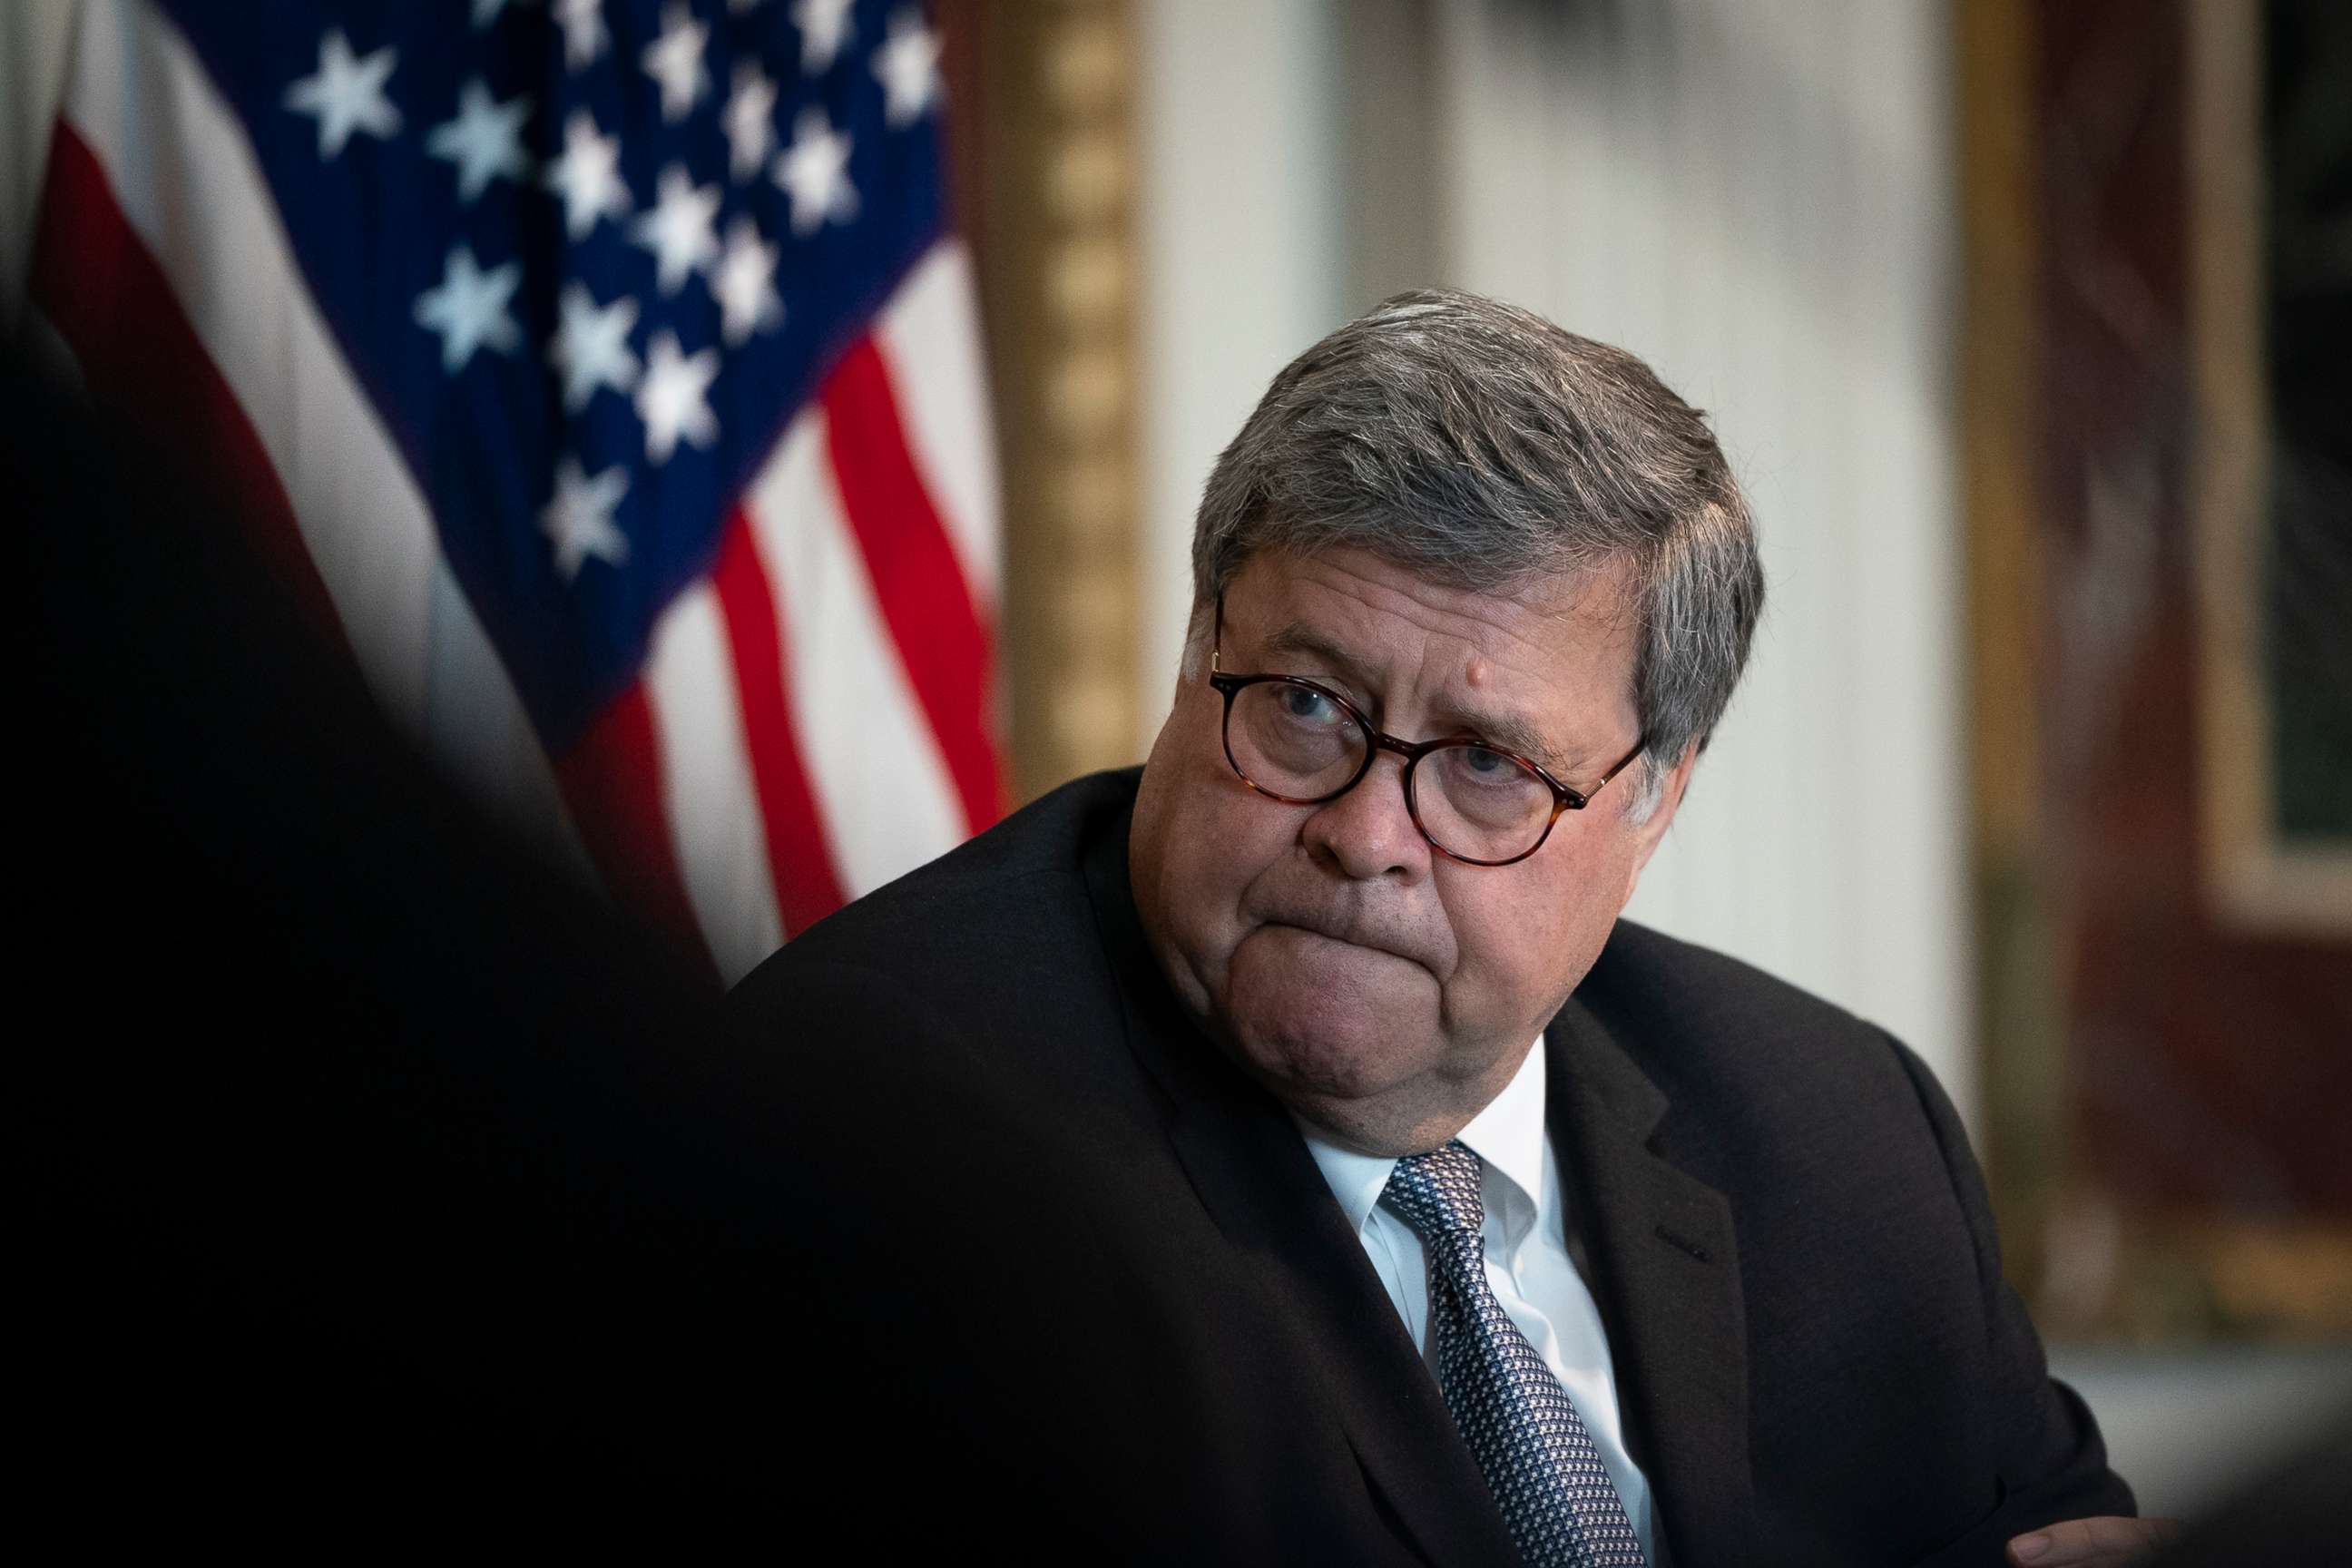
(372, 1181)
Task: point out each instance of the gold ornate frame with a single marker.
(1049, 176)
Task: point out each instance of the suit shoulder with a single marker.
(1006, 903)
(1709, 1029)
(1648, 975)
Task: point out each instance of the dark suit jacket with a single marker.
(1095, 1268)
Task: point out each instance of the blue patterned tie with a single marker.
(1530, 1442)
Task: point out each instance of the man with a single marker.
(1286, 1155)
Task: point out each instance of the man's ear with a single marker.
(1193, 663)
(1652, 833)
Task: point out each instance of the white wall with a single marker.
(1241, 267)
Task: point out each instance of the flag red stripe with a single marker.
(611, 780)
(940, 636)
(807, 886)
(143, 364)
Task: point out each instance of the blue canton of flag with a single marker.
(581, 269)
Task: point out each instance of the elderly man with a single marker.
(1286, 1153)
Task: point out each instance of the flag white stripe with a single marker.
(880, 781)
(928, 338)
(187, 182)
(707, 784)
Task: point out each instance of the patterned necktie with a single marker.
(1530, 1442)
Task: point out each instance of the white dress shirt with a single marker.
(1528, 1261)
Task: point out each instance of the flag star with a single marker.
(680, 230)
(749, 120)
(744, 284)
(907, 66)
(670, 399)
(588, 175)
(485, 140)
(675, 60)
(346, 93)
(584, 38)
(825, 26)
(469, 309)
(592, 346)
(815, 170)
(579, 517)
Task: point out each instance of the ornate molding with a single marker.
(1058, 256)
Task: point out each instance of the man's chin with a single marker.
(1299, 1066)
(1321, 1020)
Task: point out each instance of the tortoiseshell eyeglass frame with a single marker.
(1377, 741)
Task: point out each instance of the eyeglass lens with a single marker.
(1290, 740)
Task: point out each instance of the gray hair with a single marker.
(1481, 445)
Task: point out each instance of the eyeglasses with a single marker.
(1302, 743)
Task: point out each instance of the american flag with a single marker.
(604, 373)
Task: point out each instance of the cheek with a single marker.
(1220, 839)
(1522, 954)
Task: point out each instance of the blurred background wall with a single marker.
(1781, 206)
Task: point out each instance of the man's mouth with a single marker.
(1342, 936)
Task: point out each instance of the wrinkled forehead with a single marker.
(1589, 599)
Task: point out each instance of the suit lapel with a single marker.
(1257, 1182)
(1260, 1186)
(1667, 1274)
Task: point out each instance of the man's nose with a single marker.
(1368, 831)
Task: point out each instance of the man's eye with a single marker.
(1309, 706)
(1486, 763)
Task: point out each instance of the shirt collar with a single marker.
(1507, 1136)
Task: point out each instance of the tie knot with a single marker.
(1437, 1193)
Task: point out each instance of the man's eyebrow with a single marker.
(1298, 637)
(1504, 730)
